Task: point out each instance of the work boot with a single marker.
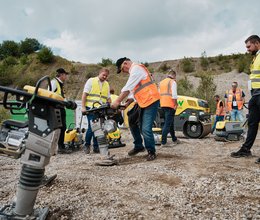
(136, 151)
(86, 149)
(242, 152)
(64, 151)
(176, 142)
(258, 161)
(166, 145)
(96, 150)
(151, 156)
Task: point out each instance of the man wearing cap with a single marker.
(141, 85)
(57, 86)
(168, 103)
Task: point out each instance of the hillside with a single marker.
(222, 68)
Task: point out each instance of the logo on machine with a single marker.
(180, 102)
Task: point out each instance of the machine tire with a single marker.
(193, 129)
(158, 121)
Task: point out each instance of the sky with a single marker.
(144, 30)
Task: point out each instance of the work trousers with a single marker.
(253, 121)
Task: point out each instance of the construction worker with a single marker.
(144, 90)
(113, 96)
(96, 89)
(253, 47)
(168, 103)
(57, 86)
(118, 117)
(220, 112)
(235, 99)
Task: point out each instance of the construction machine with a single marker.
(36, 149)
(102, 125)
(192, 117)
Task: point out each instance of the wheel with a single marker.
(158, 121)
(193, 129)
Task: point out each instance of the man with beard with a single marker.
(253, 47)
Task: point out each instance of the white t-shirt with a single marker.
(88, 86)
(136, 75)
(54, 85)
(174, 90)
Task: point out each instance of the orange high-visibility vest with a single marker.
(146, 91)
(218, 109)
(166, 93)
(239, 99)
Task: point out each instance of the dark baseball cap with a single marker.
(119, 63)
(61, 70)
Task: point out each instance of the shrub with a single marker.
(243, 63)
(10, 61)
(45, 55)
(30, 79)
(164, 67)
(184, 87)
(4, 114)
(92, 71)
(106, 62)
(24, 60)
(6, 75)
(146, 64)
(187, 65)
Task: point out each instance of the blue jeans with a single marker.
(236, 115)
(218, 118)
(168, 126)
(90, 134)
(147, 118)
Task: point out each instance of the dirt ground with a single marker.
(196, 179)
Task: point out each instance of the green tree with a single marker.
(29, 45)
(184, 87)
(204, 61)
(206, 89)
(106, 62)
(45, 55)
(9, 48)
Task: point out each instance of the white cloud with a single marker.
(145, 30)
(68, 45)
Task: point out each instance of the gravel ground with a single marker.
(196, 179)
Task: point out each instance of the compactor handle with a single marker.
(101, 108)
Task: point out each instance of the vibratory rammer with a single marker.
(42, 136)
